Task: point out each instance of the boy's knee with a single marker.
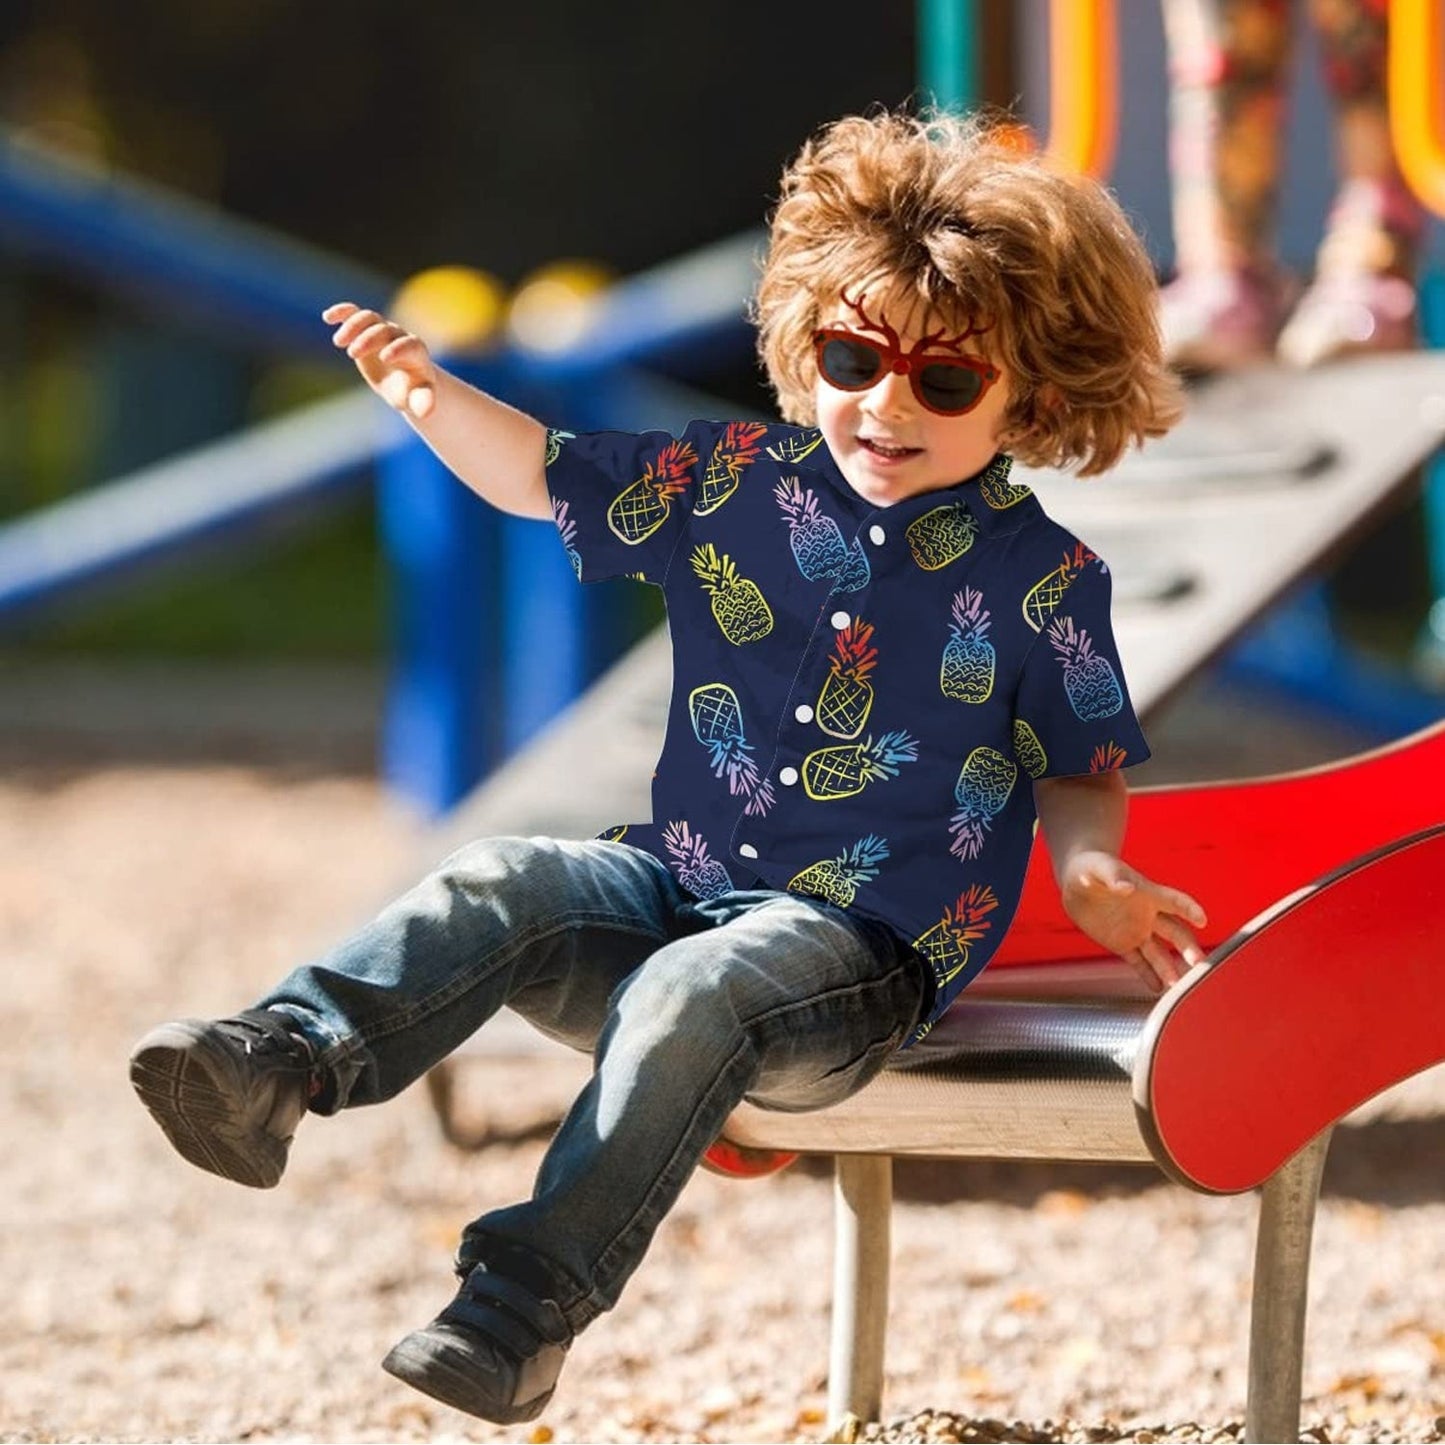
(682, 1000)
(493, 862)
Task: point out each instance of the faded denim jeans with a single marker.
(688, 1006)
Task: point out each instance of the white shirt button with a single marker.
(804, 713)
(877, 536)
(746, 850)
(840, 620)
(788, 777)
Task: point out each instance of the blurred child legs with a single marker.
(1228, 62)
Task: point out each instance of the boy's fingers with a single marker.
(338, 311)
(1178, 934)
(353, 326)
(421, 401)
(1167, 968)
(1136, 960)
(395, 387)
(370, 340)
(1186, 907)
(404, 347)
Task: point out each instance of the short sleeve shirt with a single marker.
(862, 695)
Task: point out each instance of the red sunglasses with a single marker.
(947, 385)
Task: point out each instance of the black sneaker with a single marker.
(495, 1351)
(229, 1093)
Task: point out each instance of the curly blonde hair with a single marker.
(942, 210)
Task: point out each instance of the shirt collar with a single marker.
(998, 505)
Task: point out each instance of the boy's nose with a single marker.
(890, 395)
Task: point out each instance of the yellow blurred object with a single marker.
(553, 305)
(1417, 124)
(1083, 86)
(454, 309)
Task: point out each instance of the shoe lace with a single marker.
(264, 1031)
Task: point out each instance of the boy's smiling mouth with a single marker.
(886, 451)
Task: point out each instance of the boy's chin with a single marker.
(884, 491)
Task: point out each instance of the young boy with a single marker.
(887, 661)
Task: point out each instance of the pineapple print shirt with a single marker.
(861, 695)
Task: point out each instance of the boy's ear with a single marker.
(1048, 398)
(1034, 415)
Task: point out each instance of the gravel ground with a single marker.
(145, 1300)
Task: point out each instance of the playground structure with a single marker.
(1320, 992)
(480, 595)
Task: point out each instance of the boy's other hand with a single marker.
(1146, 923)
(395, 364)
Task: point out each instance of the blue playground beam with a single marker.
(166, 249)
(226, 491)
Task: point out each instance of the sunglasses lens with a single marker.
(848, 364)
(950, 388)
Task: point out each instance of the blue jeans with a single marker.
(687, 1005)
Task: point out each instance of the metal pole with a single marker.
(948, 53)
(1430, 647)
(862, 1205)
(443, 716)
(1281, 1294)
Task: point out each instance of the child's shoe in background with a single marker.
(1344, 315)
(1219, 320)
(1362, 299)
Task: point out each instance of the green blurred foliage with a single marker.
(318, 594)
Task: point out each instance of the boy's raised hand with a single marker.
(1146, 923)
(395, 364)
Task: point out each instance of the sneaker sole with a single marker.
(191, 1090)
(432, 1369)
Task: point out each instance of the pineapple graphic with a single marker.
(1093, 689)
(568, 528)
(818, 545)
(717, 723)
(843, 771)
(847, 695)
(795, 448)
(982, 789)
(738, 605)
(697, 870)
(855, 573)
(996, 489)
(941, 536)
(1048, 591)
(758, 791)
(947, 944)
(736, 449)
(637, 512)
(968, 658)
(1108, 758)
(837, 879)
(1029, 750)
(555, 440)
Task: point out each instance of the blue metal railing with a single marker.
(137, 239)
(480, 596)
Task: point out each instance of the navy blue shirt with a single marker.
(861, 695)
